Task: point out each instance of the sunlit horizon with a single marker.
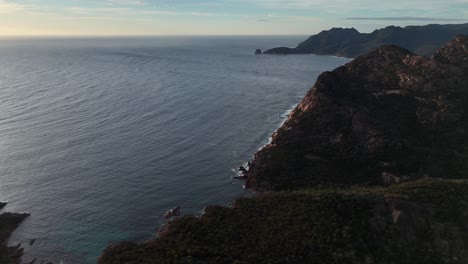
(82, 18)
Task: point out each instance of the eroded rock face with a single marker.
(388, 116)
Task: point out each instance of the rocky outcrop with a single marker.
(173, 213)
(348, 42)
(258, 52)
(8, 223)
(386, 117)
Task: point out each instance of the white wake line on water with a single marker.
(340, 57)
(285, 117)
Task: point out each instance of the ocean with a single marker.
(99, 137)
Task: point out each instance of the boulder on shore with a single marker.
(173, 212)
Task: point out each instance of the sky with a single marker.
(218, 17)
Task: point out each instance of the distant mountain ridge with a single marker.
(348, 42)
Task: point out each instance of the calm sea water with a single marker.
(99, 137)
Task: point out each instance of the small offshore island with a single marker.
(371, 167)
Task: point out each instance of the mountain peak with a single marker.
(392, 50)
(340, 29)
(462, 38)
(455, 52)
(390, 55)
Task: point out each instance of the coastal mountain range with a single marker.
(348, 42)
(370, 167)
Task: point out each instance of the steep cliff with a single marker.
(348, 42)
(385, 117)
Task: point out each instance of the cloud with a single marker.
(10, 7)
(202, 14)
(158, 12)
(406, 19)
(84, 10)
(125, 2)
(357, 4)
(133, 11)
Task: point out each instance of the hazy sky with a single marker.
(218, 17)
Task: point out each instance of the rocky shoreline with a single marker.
(8, 223)
(371, 167)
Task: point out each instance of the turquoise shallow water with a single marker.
(99, 137)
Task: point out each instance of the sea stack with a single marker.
(258, 52)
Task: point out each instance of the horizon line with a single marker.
(12, 36)
(146, 35)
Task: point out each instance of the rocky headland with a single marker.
(385, 117)
(8, 223)
(348, 42)
(369, 168)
